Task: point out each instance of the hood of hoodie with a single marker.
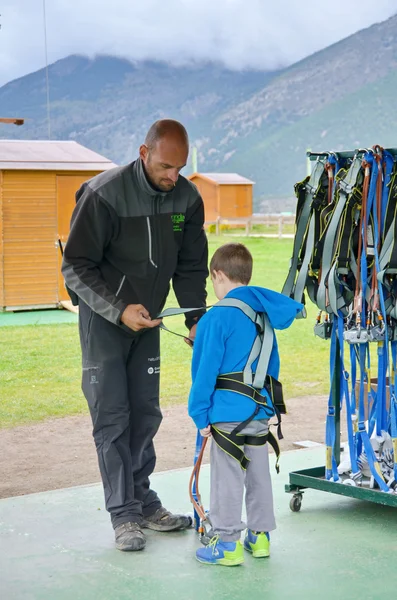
(280, 310)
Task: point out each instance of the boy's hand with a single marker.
(206, 432)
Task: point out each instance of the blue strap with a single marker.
(345, 394)
(353, 363)
(383, 359)
(372, 460)
(393, 404)
(331, 467)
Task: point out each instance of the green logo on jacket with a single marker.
(177, 221)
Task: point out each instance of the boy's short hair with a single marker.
(235, 261)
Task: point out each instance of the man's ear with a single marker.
(143, 152)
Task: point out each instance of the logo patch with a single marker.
(178, 220)
(153, 370)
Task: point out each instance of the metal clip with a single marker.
(323, 330)
(356, 335)
(206, 533)
(376, 334)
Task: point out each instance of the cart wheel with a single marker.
(296, 502)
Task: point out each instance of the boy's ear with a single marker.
(217, 275)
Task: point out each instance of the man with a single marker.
(134, 229)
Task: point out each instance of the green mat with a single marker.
(36, 317)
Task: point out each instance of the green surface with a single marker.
(36, 317)
(40, 364)
(59, 546)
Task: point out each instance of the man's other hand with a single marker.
(192, 335)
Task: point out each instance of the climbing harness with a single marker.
(347, 264)
(250, 382)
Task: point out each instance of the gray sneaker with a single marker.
(129, 537)
(163, 520)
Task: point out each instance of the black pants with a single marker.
(121, 376)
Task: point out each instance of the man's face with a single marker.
(164, 161)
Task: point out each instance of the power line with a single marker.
(46, 71)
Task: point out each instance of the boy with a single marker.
(224, 340)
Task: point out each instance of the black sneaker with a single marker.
(163, 520)
(129, 537)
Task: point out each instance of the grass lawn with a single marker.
(40, 365)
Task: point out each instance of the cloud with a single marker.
(260, 34)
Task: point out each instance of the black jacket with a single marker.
(127, 242)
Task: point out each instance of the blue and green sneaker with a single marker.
(258, 543)
(227, 554)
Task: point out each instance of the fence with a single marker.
(273, 222)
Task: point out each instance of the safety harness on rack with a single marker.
(248, 383)
(312, 194)
(333, 282)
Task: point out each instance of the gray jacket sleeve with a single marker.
(92, 226)
(189, 281)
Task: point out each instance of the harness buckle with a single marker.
(347, 188)
(356, 335)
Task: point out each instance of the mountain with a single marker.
(108, 103)
(256, 123)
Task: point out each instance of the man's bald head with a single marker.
(166, 128)
(165, 153)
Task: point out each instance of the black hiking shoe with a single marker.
(129, 537)
(163, 520)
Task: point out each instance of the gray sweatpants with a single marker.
(227, 487)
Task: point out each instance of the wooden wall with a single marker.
(209, 193)
(235, 201)
(1, 244)
(29, 254)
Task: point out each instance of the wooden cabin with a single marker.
(38, 182)
(225, 195)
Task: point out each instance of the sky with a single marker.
(260, 34)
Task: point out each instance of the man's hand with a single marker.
(192, 335)
(206, 432)
(136, 317)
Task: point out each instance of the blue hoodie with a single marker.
(224, 339)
